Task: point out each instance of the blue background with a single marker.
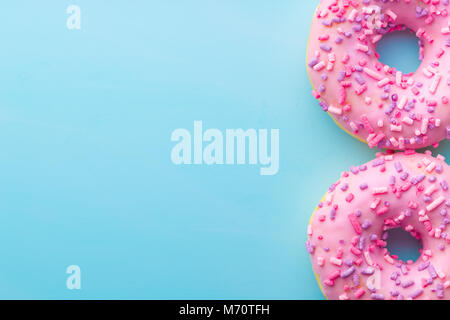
(85, 171)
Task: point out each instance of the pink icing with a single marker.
(345, 238)
(375, 102)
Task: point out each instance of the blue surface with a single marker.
(86, 176)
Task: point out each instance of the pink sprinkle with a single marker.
(355, 251)
(359, 293)
(375, 203)
(361, 89)
(367, 126)
(350, 197)
(382, 211)
(355, 223)
(336, 274)
(373, 142)
(329, 282)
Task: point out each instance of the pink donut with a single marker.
(372, 101)
(347, 231)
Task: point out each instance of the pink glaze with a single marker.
(373, 101)
(346, 235)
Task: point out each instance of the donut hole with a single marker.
(400, 50)
(402, 244)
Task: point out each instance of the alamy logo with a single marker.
(236, 146)
(74, 280)
(74, 20)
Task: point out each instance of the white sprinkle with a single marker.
(335, 261)
(436, 203)
(373, 74)
(398, 78)
(380, 190)
(335, 110)
(408, 120)
(402, 102)
(435, 83)
(431, 167)
(319, 66)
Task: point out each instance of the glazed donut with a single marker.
(372, 101)
(347, 232)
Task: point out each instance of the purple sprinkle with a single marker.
(361, 243)
(377, 296)
(347, 273)
(357, 28)
(391, 180)
(423, 266)
(359, 79)
(404, 176)
(368, 271)
(377, 162)
(310, 247)
(404, 269)
(398, 167)
(327, 23)
(416, 293)
(325, 47)
(407, 284)
(395, 275)
(356, 279)
(363, 186)
(313, 62)
(332, 214)
(366, 224)
(432, 272)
